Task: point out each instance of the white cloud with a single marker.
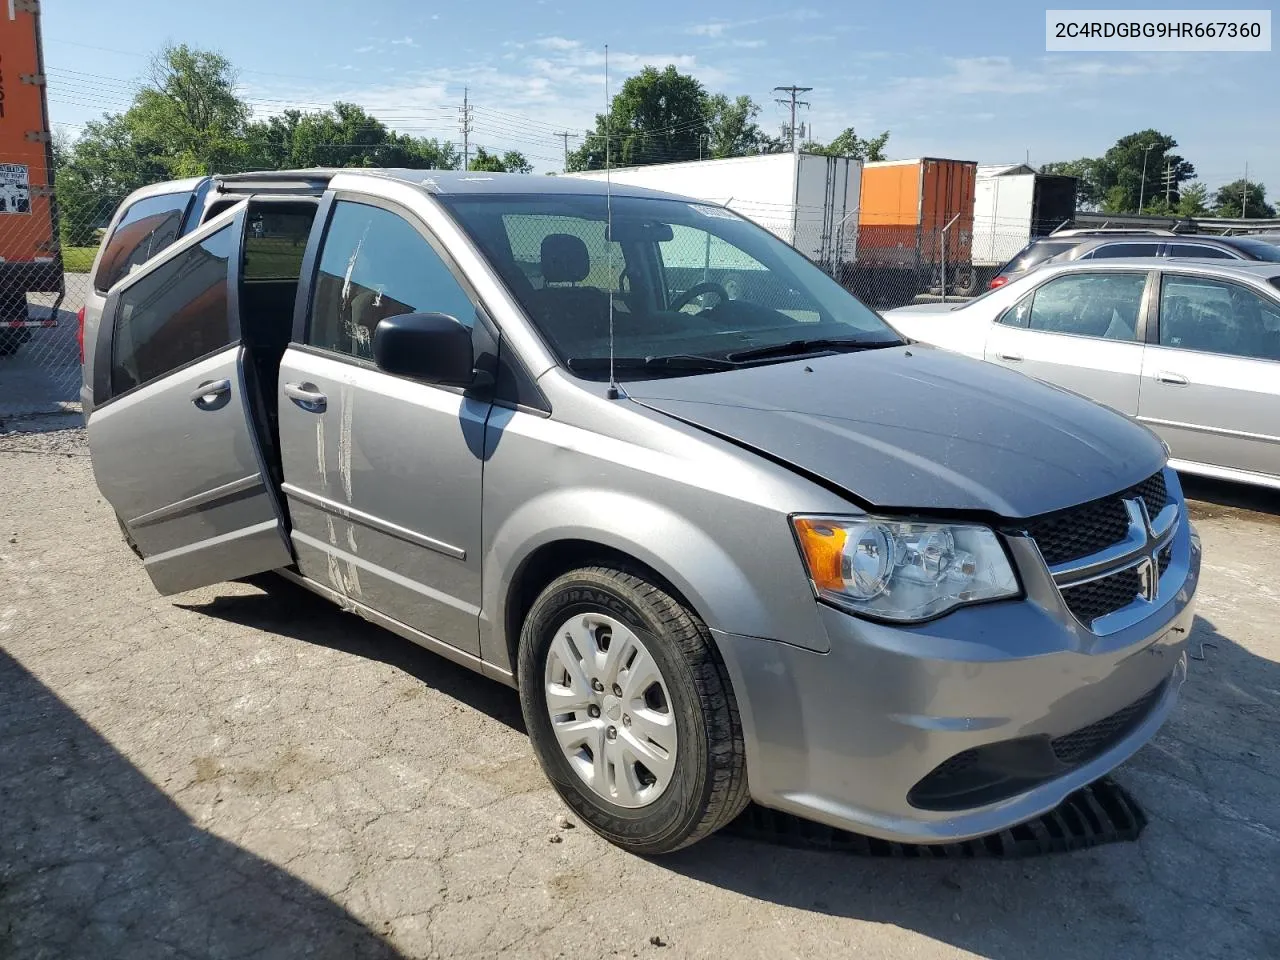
(403, 42)
(747, 44)
(558, 43)
(364, 49)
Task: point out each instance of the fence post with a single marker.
(950, 224)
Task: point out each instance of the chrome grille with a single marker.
(1097, 598)
(1104, 555)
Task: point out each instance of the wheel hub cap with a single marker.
(610, 710)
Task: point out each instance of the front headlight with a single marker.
(903, 571)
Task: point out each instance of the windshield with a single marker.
(689, 282)
(1258, 249)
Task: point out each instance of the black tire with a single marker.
(968, 282)
(128, 538)
(709, 785)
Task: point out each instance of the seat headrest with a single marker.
(564, 258)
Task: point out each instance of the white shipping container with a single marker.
(1011, 205)
(807, 200)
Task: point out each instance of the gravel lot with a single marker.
(236, 772)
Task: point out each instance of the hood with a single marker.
(916, 428)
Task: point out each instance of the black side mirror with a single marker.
(433, 347)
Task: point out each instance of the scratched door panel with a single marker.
(383, 486)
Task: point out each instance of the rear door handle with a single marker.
(1014, 357)
(307, 396)
(1164, 376)
(212, 394)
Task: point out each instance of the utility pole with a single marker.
(1142, 189)
(793, 92)
(565, 135)
(1168, 182)
(465, 124)
(1244, 194)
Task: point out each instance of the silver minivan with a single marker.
(727, 547)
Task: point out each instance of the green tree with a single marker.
(345, 135)
(732, 130)
(659, 116)
(189, 108)
(510, 162)
(1193, 201)
(1134, 169)
(1138, 165)
(1242, 198)
(849, 144)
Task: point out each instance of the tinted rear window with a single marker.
(147, 227)
(1037, 252)
(1256, 249)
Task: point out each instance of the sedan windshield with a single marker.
(694, 287)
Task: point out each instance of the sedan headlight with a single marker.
(903, 571)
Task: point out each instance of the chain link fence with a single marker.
(44, 279)
(885, 265)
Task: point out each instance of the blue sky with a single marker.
(967, 81)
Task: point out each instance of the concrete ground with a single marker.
(43, 376)
(239, 773)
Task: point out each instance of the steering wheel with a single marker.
(707, 286)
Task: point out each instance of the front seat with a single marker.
(572, 315)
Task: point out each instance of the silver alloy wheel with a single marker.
(610, 710)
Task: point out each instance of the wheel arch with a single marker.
(615, 530)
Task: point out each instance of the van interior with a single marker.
(275, 241)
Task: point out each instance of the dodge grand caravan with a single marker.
(727, 546)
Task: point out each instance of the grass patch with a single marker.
(78, 259)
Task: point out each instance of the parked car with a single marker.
(1045, 248)
(778, 554)
(1082, 246)
(1191, 348)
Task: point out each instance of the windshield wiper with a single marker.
(801, 348)
(679, 361)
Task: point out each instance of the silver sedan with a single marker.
(1191, 348)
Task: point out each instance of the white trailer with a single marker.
(1012, 204)
(807, 200)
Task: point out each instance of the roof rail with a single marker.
(275, 181)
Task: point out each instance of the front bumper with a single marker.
(844, 737)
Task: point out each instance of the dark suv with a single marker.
(1071, 245)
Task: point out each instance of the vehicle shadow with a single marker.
(284, 608)
(1194, 885)
(1214, 498)
(95, 860)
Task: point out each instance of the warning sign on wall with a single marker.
(15, 188)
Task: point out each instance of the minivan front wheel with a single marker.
(629, 709)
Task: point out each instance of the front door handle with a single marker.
(1164, 376)
(1013, 357)
(307, 396)
(212, 394)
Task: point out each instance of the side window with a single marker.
(374, 264)
(1201, 251)
(1110, 251)
(1197, 313)
(274, 242)
(175, 314)
(1089, 305)
(146, 228)
(1019, 314)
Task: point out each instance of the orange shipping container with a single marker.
(905, 206)
(29, 257)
